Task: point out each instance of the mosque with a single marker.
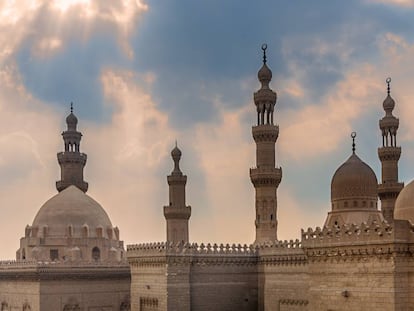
(71, 257)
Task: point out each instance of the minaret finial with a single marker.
(71, 107)
(353, 135)
(264, 48)
(388, 85)
(176, 144)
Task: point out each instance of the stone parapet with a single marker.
(189, 249)
(389, 153)
(347, 234)
(266, 176)
(281, 252)
(265, 133)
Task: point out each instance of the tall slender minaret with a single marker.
(177, 213)
(71, 161)
(389, 154)
(265, 176)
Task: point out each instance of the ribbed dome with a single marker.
(388, 104)
(264, 74)
(404, 205)
(354, 179)
(72, 207)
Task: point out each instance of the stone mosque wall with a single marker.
(196, 277)
(283, 276)
(64, 286)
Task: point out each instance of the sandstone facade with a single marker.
(361, 259)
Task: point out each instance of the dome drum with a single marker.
(71, 219)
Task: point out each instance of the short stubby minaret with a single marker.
(265, 176)
(389, 154)
(177, 213)
(71, 161)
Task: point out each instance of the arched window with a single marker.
(96, 253)
(26, 307)
(85, 231)
(70, 231)
(99, 232)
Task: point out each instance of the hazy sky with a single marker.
(144, 73)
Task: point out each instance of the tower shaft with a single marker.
(71, 161)
(177, 213)
(389, 154)
(265, 176)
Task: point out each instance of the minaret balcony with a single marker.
(389, 153)
(265, 132)
(265, 95)
(266, 176)
(72, 157)
(390, 189)
(389, 122)
(174, 212)
(62, 185)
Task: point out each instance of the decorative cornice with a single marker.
(389, 153)
(294, 302)
(31, 270)
(265, 133)
(266, 176)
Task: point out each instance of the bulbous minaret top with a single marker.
(176, 156)
(72, 161)
(389, 123)
(265, 98)
(71, 120)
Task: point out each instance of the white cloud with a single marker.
(48, 24)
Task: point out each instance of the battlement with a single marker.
(347, 234)
(290, 244)
(180, 248)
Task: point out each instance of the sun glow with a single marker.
(64, 5)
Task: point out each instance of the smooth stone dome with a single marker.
(71, 119)
(404, 205)
(354, 179)
(72, 207)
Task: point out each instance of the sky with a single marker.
(144, 73)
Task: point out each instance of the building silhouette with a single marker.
(71, 257)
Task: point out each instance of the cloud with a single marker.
(318, 128)
(48, 24)
(125, 156)
(400, 3)
(225, 153)
(29, 136)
